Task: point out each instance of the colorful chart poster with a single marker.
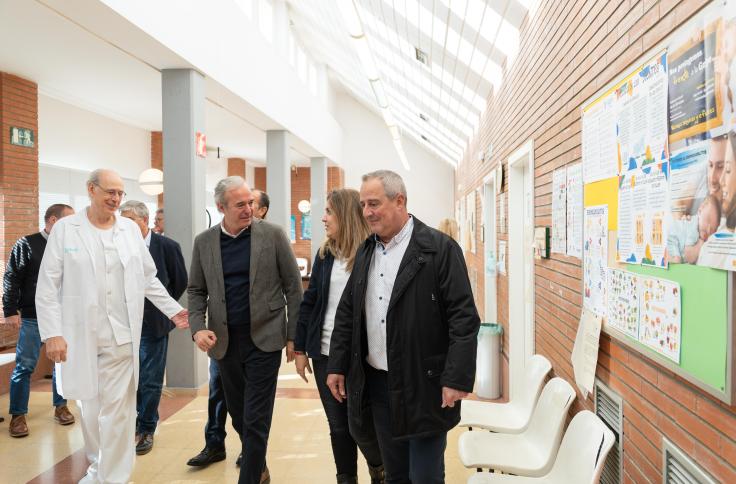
(641, 119)
(643, 216)
(660, 323)
(623, 302)
(595, 258)
(559, 211)
(575, 210)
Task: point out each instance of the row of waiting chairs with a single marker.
(521, 438)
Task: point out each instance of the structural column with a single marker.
(236, 167)
(184, 198)
(278, 178)
(318, 174)
(18, 171)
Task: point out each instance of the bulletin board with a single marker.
(645, 136)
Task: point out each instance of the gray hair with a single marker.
(138, 208)
(225, 185)
(94, 176)
(392, 182)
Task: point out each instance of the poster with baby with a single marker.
(661, 315)
(702, 120)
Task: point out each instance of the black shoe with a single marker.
(207, 457)
(239, 461)
(144, 444)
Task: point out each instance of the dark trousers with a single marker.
(214, 431)
(249, 377)
(152, 354)
(344, 445)
(404, 461)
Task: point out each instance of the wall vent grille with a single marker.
(609, 407)
(679, 468)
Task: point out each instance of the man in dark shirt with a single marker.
(172, 272)
(19, 309)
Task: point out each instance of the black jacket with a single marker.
(172, 273)
(313, 307)
(431, 334)
(21, 275)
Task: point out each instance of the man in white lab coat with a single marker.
(94, 277)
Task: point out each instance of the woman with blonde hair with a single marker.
(449, 226)
(346, 229)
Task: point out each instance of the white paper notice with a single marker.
(502, 257)
(660, 326)
(585, 352)
(559, 211)
(595, 259)
(623, 302)
(599, 140)
(575, 210)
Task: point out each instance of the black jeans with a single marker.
(249, 377)
(150, 382)
(420, 460)
(214, 431)
(344, 445)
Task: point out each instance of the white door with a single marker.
(490, 257)
(521, 263)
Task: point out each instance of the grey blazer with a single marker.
(275, 288)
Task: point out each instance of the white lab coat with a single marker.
(67, 302)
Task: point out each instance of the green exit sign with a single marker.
(21, 137)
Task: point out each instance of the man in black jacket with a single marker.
(19, 309)
(404, 342)
(172, 273)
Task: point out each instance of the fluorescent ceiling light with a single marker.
(380, 93)
(350, 17)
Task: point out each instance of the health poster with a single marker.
(559, 211)
(641, 121)
(575, 210)
(623, 302)
(643, 216)
(660, 323)
(595, 258)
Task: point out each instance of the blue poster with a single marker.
(292, 229)
(306, 226)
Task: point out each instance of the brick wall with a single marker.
(157, 157)
(569, 50)
(18, 172)
(236, 166)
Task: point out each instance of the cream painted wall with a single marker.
(78, 139)
(367, 146)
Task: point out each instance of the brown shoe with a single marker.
(265, 476)
(18, 426)
(63, 416)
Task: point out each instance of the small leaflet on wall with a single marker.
(574, 206)
(595, 258)
(623, 302)
(585, 351)
(660, 324)
(559, 211)
(502, 257)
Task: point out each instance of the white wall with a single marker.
(367, 146)
(74, 138)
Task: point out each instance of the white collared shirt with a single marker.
(224, 230)
(381, 277)
(113, 327)
(147, 239)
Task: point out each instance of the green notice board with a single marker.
(705, 298)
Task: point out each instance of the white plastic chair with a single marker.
(512, 417)
(583, 452)
(530, 453)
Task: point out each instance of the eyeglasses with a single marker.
(112, 193)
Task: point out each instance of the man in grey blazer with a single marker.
(245, 278)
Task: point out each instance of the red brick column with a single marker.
(157, 157)
(18, 172)
(259, 178)
(336, 178)
(236, 167)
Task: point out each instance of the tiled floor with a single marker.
(298, 452)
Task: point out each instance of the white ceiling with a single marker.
(467, 43)
(73, 65)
